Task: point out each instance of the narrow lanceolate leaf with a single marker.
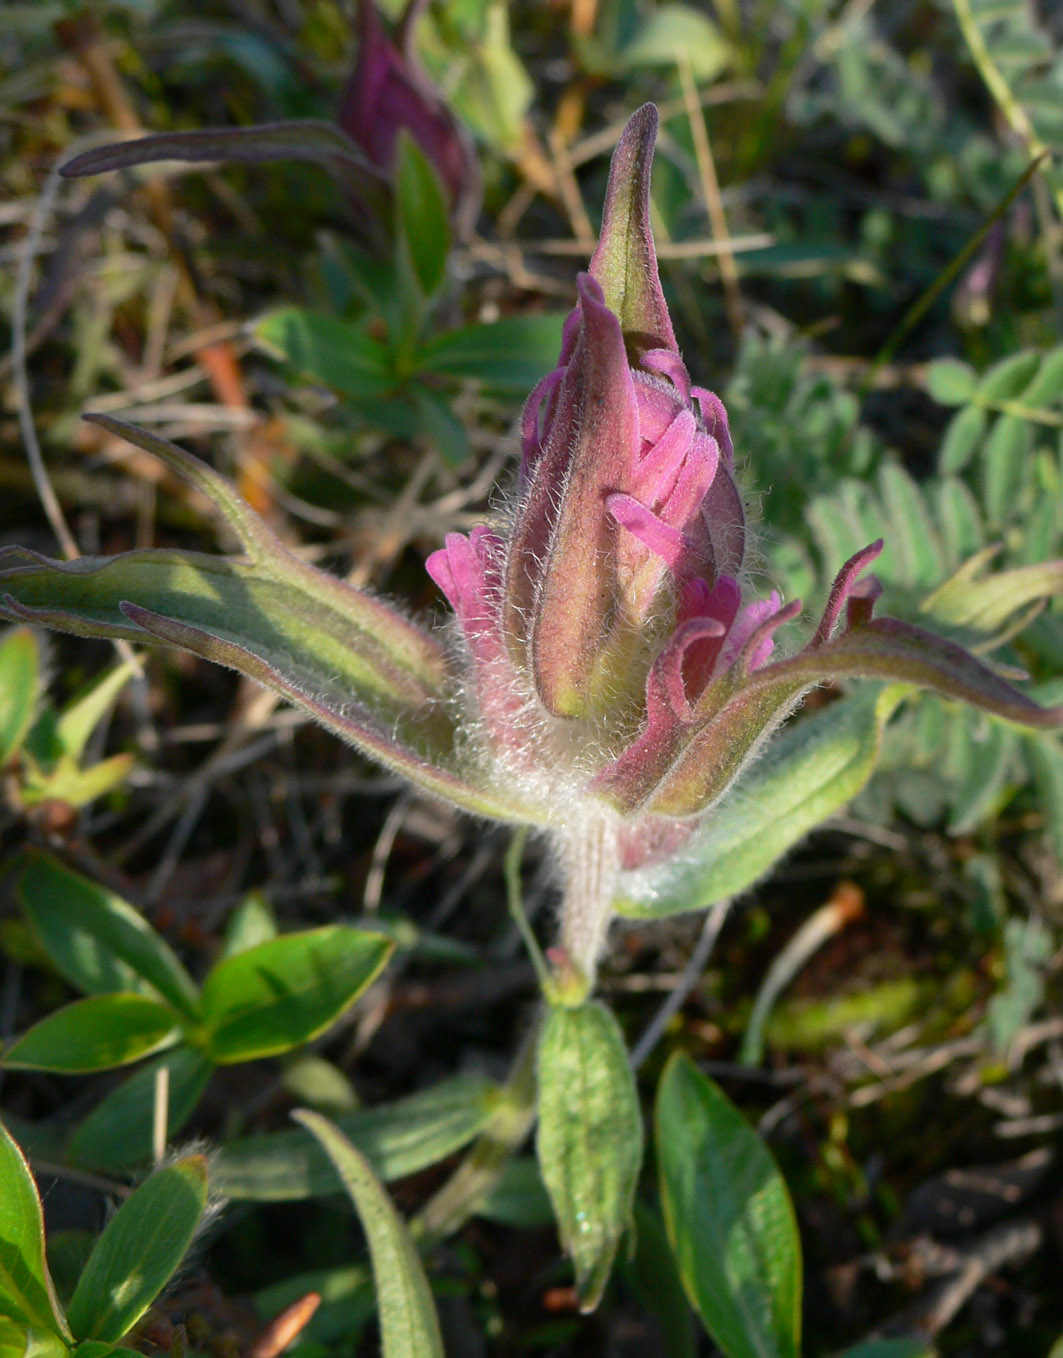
(808, 773)
(409, 1327)
(26, 1291)
(729, 1218)
(421, 213)
(118, 1132)
(351, 661)
(139, 1251)
(98, 941)
(397, 1139)
(19, 682)
(281, 993)
(95, 1034)
(589, 1140)
(297, 140)
(80, 719)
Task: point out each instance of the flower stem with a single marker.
(590, 863)
(516, 905)
(507, 1127)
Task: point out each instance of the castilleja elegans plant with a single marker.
(610, 673)
(610, 678)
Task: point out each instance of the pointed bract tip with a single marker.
(625, 261)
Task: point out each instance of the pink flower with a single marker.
(606, 629)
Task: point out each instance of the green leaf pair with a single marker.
(269, 998)
(395, 384)
(131, 1262)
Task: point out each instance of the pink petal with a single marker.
(670, 365)
(661, 538)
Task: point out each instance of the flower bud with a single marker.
(388, 92)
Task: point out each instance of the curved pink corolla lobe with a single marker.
(689, 751)
(389, 92)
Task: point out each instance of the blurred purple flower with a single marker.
(388, 92)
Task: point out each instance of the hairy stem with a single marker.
(590, 863)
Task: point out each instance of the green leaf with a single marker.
(67, 783)
(951, 382)
(589, 1140)
(984, 602)
(95, 1034)
(674, 31)
(808, 773)
(19, 1340)
(96, 940)
(509, 355)
(441, 427)
(351, 661)
(1005, 456)
(891, 1348)
(117, 1133)
(729, 1218)
(19, 687)
(965, 432)
(1046, 385)
(397, 1139)
(81, 717)
(26, 1291)
(1006, 380)
(335, 352)
(518, 1196)
(281, 993)
(962, 530)
(652, 1275)
(916, 549)
(408, 1324)
(422, 214)
(139, 1251)
(993, 759)
(251, 923)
